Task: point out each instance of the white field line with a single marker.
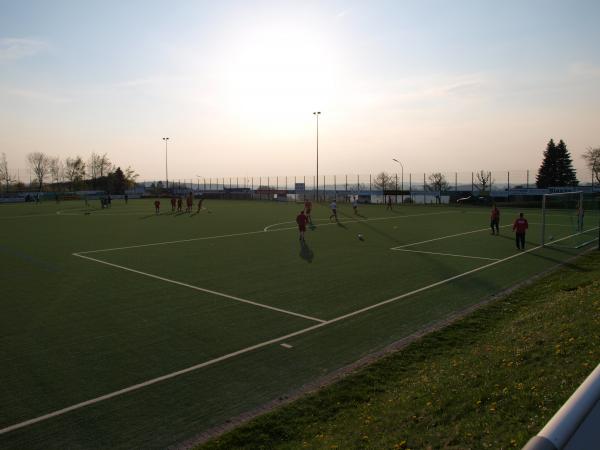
(220, 294)
(24, 216)
(443, 254)
(445, 237)
(97, 213)
(364, 220)
(291, 221)
(256, 346)
(170, 242)
(247, 233)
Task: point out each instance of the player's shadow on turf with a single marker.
(341, 225)
(306, 253)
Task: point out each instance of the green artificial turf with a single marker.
(73, 329)
(491, 380)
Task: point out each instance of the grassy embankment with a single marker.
(491, 380)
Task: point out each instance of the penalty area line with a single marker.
(253, 347)
(443, 254)
(399, 247)
(197, 288)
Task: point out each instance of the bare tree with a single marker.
(592, 161)
(130, 177)
(56, 169)
(39, 163)
(382, 181)
(5, 176)
(105, 166)
(94, 165)
(437, 182)
(484, 180)
(74, 170)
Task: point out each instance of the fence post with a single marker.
(423, 188)
(455, 181)
(346, 193)
(370, 190)
(527, 178)
(396, 191)
(334, 188)
(508, 181)
(472, 181)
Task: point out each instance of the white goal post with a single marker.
(572, 202)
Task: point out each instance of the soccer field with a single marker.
(121, 328)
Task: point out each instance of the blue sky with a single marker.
(441, 85)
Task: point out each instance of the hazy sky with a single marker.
(440, 85)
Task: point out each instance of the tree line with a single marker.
(50, 172)
(556, 170)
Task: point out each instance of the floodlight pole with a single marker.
(402, 182)
(317, 114)
(166, 139)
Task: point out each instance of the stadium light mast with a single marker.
(166, 139)
(317, 114)
(402, 182)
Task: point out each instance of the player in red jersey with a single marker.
(173, 202)
(520, 226)
(301, 220)
(179, 203)
(157, 206)
(307, 210)
(495, 220)
(189, 202)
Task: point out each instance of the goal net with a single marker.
(568, 219)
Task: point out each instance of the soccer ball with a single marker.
(360, 237)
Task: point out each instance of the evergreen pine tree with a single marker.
(564, 170)
(547, 173)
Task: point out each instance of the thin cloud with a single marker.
(584, 70)
(342, 14)
(32, 95)
(17, 48)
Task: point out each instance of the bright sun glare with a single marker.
(279, 72)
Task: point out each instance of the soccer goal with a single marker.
(563, 217)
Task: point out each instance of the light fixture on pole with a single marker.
(402, 182)
(317, 114)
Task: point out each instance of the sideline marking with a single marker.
(259, 345)
(221, 294)
(443, 254)
(284, 345)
